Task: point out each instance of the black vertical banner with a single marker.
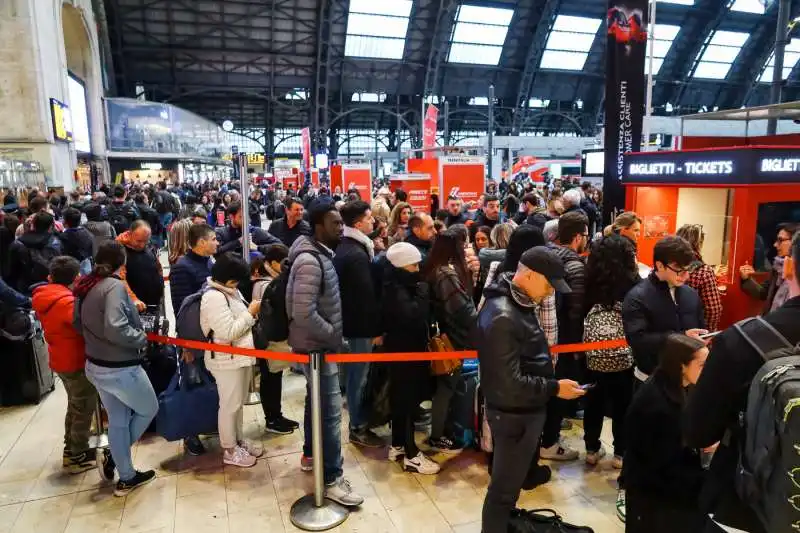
(626, 43)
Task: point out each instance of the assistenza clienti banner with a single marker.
(626, 25)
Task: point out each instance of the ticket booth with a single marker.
(739, 195)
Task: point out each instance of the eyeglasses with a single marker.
(678, 271)
(781, 240)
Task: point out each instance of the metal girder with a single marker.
(319, 106)
(538, 40)
(439, 46)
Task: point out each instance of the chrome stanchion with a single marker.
(254, 397)
(99, 439)
(313, 512)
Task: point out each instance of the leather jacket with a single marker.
(517, 374)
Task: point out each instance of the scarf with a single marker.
(782, 291)
(363, 239)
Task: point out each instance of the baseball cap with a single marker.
(544, 261)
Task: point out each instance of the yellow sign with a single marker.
(252, 159)
(62, 121)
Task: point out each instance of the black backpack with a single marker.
(37, 263)
(273, 321)
(121, 216)
(768, 476)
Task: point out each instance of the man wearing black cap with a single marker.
(517, 375)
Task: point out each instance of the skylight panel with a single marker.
(297, 94)
(377, 29)
(368, 97)
(720, 54)
(749, 6)
(790, 58)
(479, 34)
(479, 100)
(569, 42)
(663, 36)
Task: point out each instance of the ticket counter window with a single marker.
(770, 216)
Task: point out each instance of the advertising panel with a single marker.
(305, 135)
(358, 175)
(418, 188)
(429, 130)
(463, 176)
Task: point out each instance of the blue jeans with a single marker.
(331, 420)
(356, 380)
(131, 405)
(166, 220)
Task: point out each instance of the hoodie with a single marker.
(29, 259)
(77, 243)
(55, 305)
(101, 231)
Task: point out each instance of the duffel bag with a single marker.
(542, 521)
(188, 407)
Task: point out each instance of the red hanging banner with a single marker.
(429, 130)
(305, 135)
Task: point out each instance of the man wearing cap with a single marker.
(517, 375)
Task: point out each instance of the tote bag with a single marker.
(188, 407)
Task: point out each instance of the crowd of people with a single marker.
(523, 269)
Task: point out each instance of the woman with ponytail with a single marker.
(112, 330)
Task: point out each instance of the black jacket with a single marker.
(517, 373)
(424, 247)
(187, 276)
(649, 315)
(453, 308)
(765, 291)
(280, 229)
(24, 271)
(460, 218)
(150, 215)
(714, 406)
(405, 308)
(229, 236)
(360, 305)
(481, 220)
(571, 307)
(144, 276)
(77, 243)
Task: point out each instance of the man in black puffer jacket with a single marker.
(76, 241)
(517, 375)
(29, 256)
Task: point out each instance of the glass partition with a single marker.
(770, 215)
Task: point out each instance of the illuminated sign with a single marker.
(731, 166)
(151, 166)
(62, 120)
(79, 115)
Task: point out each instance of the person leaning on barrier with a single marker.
(517, 375)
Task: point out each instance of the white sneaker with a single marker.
(592, 458)
(396, 452)
(616, 462)
(421, 465)
(238, 457)
(558, 452)
(253, 448)
(342, 492)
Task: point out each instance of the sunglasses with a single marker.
(678, 271)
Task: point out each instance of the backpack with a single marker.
(38, 263)
(767, 470)
(604, 323)
(273, 320)
(162, 202)
(187, 320)
(120, 217)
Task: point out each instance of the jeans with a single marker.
(233, 386)
(515, 440)
(165, 219)
(131, 405)
(617, 387)
(271, 389)
(81, 400)
(445, 388)
(355, 382)
(331, 399)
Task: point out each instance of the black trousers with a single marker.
(635, 384)
(613, 387)
(652, 514)
(271, 385)
(406, 389)
(568, 367)
(515, 446)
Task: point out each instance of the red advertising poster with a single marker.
(418, 188)
(305, 135)
(429, 130)
(360, 176)
(285, 176)
(463, 176)
(315, 178)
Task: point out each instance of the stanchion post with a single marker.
(254, 397)
(313, 512)
(99, 439)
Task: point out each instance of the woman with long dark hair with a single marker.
(112, 330)
(451, 283)
(663, 477)
(702, 277)
(611, 272)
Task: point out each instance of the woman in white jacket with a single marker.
(226, 318)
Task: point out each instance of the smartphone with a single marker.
(588, 386)
(709, 335)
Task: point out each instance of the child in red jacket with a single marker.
(54, 304)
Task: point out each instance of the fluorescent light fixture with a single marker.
(377, 29)
(479, 34)
(569, 42)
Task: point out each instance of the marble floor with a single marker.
(199, 495)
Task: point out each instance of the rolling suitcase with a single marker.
(27, 377)
(462, 409)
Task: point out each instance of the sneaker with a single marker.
(306, 464)
(540, 475)
(366, 438)
(592, 458)
(124, 488)
(444, 445)
(238, 457)
(421, 465)
(281, 426)
(566, 425)
(105, 464)
(75, 464)
(193, 446)
(253, 448)
(289, 422)
(342, 492)
(557, 452)
(396, 452)
(621, 505)
(616, 462)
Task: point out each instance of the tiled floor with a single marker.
(198, 495)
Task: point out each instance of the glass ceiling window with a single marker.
(681, 2)
(749, 6)
(790, 58)
(368, 97)
(297, 94)
(569, 42)
(479, 34)
(377, 29)
(722, 50)
(663, 36)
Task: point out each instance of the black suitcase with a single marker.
(462, 419)
(27, 377)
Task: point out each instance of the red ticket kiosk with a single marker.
(739, 195)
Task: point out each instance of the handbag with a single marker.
(542, 521)
(442, 367)
(186, 409)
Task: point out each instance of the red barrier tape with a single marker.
(397, 357)
(584, 346)
(222, 348)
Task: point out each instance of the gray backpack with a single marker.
(768, 474)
